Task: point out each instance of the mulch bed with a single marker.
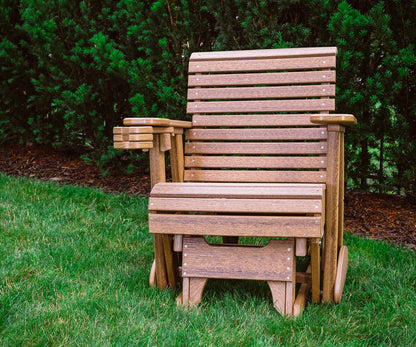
(50, 165)
(376, 216)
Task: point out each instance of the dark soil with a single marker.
(376, 216)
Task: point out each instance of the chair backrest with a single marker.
(251, 115)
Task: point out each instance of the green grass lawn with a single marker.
(74, 267)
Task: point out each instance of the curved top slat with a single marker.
(265, 53)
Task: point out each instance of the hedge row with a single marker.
(71, 70)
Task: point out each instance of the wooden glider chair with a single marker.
(264, 158)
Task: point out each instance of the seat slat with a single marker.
(254, 176)
(262, 64)
(257, 134)
(261, 92)
(269, 120)
(235, 205)
(303, 148)
(292, 105)
(276, 78)
(218, 225)
(238, 190)
(255, 162)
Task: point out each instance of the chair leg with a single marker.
(278, 290)
(192, 291)
(196, 288)
(283, 294)
(290, 297)
(160, 270)
(152, 276)
(185, 291)
(170, 261)
(302, 296)
(341, 273)
(315, 270)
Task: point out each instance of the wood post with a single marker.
(177, 169)
(157, 174)
(157, 163)
(315, 270)
(302, 296)
(332, 217)
(166, 269)
(341, 193)
(166, 264)
(176, 158)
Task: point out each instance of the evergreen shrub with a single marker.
(72, 70)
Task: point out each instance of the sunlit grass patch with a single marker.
(74, 267)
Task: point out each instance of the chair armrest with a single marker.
(340, 119)
(157, 122)
(157, 135)
(139, 133)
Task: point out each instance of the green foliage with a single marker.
(375, 42)
(72, 70)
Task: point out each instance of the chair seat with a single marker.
(237, 209)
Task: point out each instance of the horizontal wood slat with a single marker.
(236, 205)
(271, 262)
(156, 122)
(269, 120)
(262, 64)
(257, 134)
(261, 92)
(272, 78)
(255, 162)
(133, 137)
(265, 53)
(303, 148)
(254, 176)
(132, 130)
(240, 262)
(127, 130)
(223, 225)
(303, 105)
(238, 190)
(133, 145)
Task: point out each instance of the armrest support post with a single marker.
(334, 208)
(164, 135)
(177, 159)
